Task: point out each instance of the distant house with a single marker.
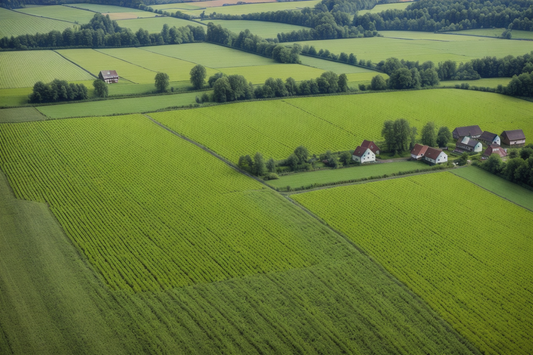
(514, 137)
(109, 76)
(489, 138)
(370, 145)
(363, 155)
(467, 144)
(418, 151)
(468, 131)
(494, 149)
(435, 156)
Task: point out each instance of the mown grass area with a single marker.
(60, 12)
(498, 185)
(349, 173)
(363, 78)
(252, 8)
(28, 67)
(479, 279)
(384, 7)
(154, 24)
(275, 128)
(259, 73)
(14, 97)
(119, 106)
(335, 67)
(260, 28)
(211, 55)
(494, 32)
(456, 48)
(486, 82)
(24, 114)
(14, 23)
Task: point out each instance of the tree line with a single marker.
(452, 15)
(400, 137)
(57, 90)
(101, 31)
(518, 169)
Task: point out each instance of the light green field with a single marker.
(14, 97)
(498, 185)
(125, 88)
(377, 49)
(335, 67)
(210, 55)
(252, 8)
(59, 12)
(350, 173)
(479, 279)
(338, 123)
(28, 67)
(178, 6)
(106, 8)
(384, 7)
(259, 73)
(154, 24)
(431, 36)
(363, 78)
(119, 106)
(24, 114)
(495, 32)
(15, 24)
(486, 82)
(177, 70)
(260, 28)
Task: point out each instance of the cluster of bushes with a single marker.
(258, 167)
(452, 15)
(251, 43)
(103, 32)
(58, 90)
(518, 169)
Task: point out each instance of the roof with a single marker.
(495, 149)
(468, 131)
(419, 149)
(433, 153)
(109, 74)
(468, 141)
(487, 136)
(514, 134)
(370, 145)
(359, 151)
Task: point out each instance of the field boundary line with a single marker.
(169, 56)
(79, 66)
(48, 18)
(112, 56)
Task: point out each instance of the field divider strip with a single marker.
(137, 65)
(49, 18)
(76, 64)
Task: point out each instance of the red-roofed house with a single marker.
(363, 155)
(370, 145)
(494, 149)
(513, 137)
(435, 156)
(418, 151)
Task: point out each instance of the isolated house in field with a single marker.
(418, 151)
(514, 137)
(435, 156)
(370, 145)
(494, 149)
(489, 138)
(109, 76)
(468, 131)
(363, 155)
(467, 144)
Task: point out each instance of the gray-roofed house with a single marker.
(467, 144)
(489, 138)
(514, 137)
(467, 131)
(109, 76)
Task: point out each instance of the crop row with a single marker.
(464, 250)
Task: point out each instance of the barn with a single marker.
(494, 149)
(514, 137)
(109, 76)
(489, 138)
(435, 156)
(467, 131)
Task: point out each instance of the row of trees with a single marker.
(452, 15)
(57, 90)
(518, 169)
(404, 78)
(401, 137)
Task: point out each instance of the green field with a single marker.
(275, 128)
(119, 106)
(178, 6)
(107, 8)
(259, 73)
(478, 278)
(260, 28)
(457, 48)
(384, 7)
(252, 8)
(28, 67)
(498, 185)
(13, 23)
(154, 24)
(211, 55)
(59, 12)
(335, 67)
(14, 97)
(495, 32)
(487, 82)
(430, 36)
(363, 78)
(350, 173)
(24, 114)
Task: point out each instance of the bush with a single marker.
(271, 176)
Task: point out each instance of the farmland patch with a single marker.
(14, 23)
(260, 28)
(154, 24)
(23, 114)
(59, 12)
(495, 32)
(252, 8)
(259, 73)
(384, 7)
(335, 67)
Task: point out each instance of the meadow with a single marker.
(59, 12)
(14, 23)
(275, 128)
(28, 67)
(384, 7)
(253, 8)
(104, 9)
(154, 24)
(415, 228)
(259, 73)
(335, 67)
(494, 32)
(485, 82)
(260, 28)
(14, 97)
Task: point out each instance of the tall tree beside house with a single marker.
(444, 136)
(388, 134)
(198, 74)
(161, 82)
(100, 88)
(429, 135)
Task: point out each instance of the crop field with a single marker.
(363, 78)
(14, 97)
(335, 67)
(108, 8)
(276, 128)
(259, 73)
(485, 82)
(415, 227)
(384, 7)
(431, 36)
(501, 187)
(154, 24)
(211, 55)
(260, 28)
(494, 32)
(377, 49)
(60, 12)
(28, 67)
(252, 8)
(119, 106)
(177, 69)
(180, 6)
(350, 173)
(13, 23)
(24, 114)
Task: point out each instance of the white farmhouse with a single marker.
(363, 155)
(435, 156)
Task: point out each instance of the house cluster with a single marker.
(470, 139)
(109, 76)
(366, 152)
